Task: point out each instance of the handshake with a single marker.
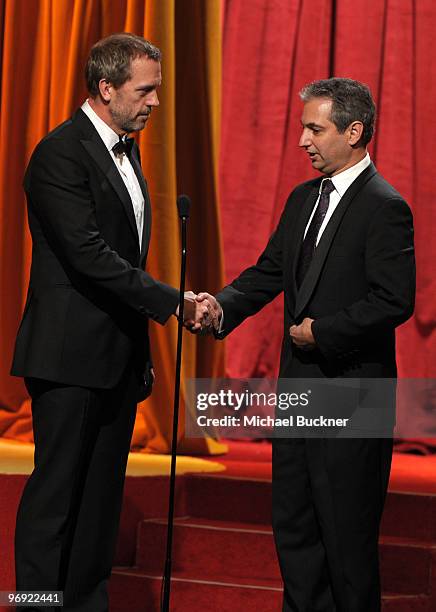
(201, 313)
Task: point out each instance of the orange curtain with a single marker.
(43, 51)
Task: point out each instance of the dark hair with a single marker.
(111, 59)
(352, 101)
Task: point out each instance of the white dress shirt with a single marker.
(341, 182)
(122, 162)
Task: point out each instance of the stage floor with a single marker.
(250, 460)
(212, 496)
(17, 458)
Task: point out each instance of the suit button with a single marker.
(142, 309)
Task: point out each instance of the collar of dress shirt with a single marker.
(343, 180)
(106, 133)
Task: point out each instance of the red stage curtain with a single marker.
(43, 51)
(271, 49)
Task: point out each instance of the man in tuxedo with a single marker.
(343, 255)
(83, 345)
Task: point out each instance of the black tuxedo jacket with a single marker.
(359, 287)
(89, 299)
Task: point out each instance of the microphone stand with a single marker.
(183, 204)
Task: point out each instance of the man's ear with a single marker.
(356, 131)
(105, 89)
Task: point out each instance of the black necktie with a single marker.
(123, 146)
(309, 242)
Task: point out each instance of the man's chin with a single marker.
(141, 121)
(137, 126)
(317, 165)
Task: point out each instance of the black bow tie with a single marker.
(123, 146)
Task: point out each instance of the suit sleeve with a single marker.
(257, 285)
(58, 187)
(390, 272)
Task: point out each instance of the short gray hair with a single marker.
(111, 59)
(352, 101)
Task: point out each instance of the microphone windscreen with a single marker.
(183, 205)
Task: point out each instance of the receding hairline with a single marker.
(138, 45)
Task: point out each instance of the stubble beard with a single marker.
(124, 121)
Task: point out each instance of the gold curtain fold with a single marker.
(44, 48)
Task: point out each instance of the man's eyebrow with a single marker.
(312, 125)
(148, 87)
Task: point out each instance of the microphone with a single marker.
(183, 206)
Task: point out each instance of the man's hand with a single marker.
(302, 335)
(195, 314)
(215, 312)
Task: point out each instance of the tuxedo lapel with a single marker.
(107, 165)
(96, 148)
(321, 251)
(297, 238)
(146, 230)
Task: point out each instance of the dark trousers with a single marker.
(68, 517)
(328, 498)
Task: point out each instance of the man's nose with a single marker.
(154, 101)
(304, 139)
